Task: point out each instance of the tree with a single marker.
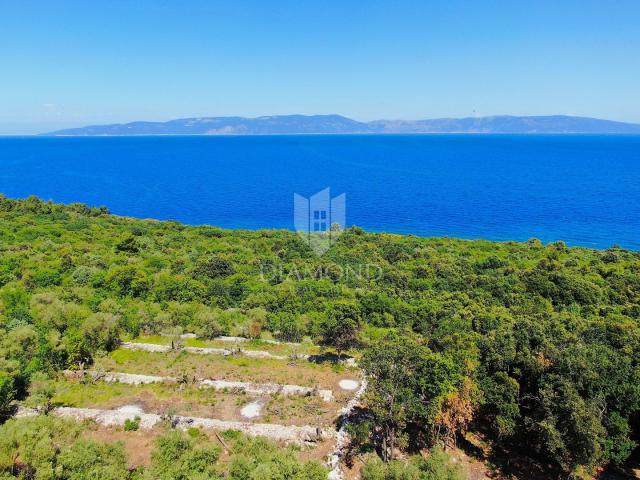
(206, 323)
(341, 326)
(260, 459)
(214, 267)
(127, 281)
(16, 302)
(456, 413)
(287, 327)
(101, 332)
(257, 320)
(501, 408)
(128, 245)
(42, 390)
(408, 384)
(177, 288)
(571, 430)
(7, 395)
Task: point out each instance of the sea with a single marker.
(581, 189)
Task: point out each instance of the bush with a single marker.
(437, 466)
(35, 443)
(177, 456)
(132, 425)
(89, 460)
(259, 459)
(287, 326)
(214, 267)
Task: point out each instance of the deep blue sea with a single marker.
(582, 189)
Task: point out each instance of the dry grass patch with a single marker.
(235, 368)
(190, 400)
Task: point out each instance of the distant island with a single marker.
(337, 124)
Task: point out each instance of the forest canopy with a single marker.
(539, 345)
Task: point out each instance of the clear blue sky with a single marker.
(72, 63)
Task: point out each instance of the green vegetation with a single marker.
(49, 448)
(132, 425)
(410, 385)
(260, 459)
(436, 467)
(538, 345)
(184, 399)
(179, 457)
(282, 349)
(237, 367)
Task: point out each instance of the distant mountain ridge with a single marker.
(337, 124)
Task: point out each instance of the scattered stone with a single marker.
(247, 387)
(148, 347)
(251, 410)
(232, 339)
(243, 339)
(342, 442)
(131, 409)
(135, 379)
(207, 351)
(183, 335)
(152, 347)
(290, 434)
(349, 384)
(266, 388)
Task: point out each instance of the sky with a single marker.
(74, 63)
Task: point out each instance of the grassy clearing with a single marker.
(274, 348)
(189, 400)
(239, 368)
(154, 398)
(299, 409)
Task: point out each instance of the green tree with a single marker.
(341, 326)
(42, 390)
(7, 395)
(407, 385)
(100, 332)
(214, 267)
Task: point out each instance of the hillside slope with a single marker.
(540, 344)
(336, 124)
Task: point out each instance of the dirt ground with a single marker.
(139, 445)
